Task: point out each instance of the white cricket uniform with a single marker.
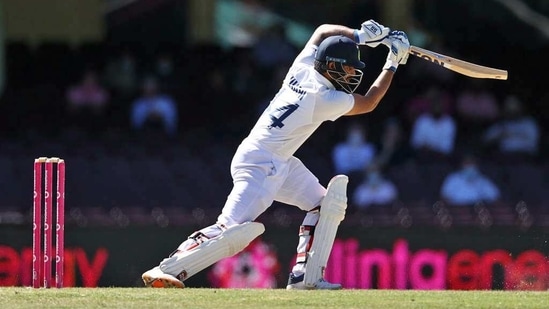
(264, 168)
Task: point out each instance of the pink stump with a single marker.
(60, 226)
(48, 222)
(37, 224)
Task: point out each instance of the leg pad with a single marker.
(231, 241)
(332, 212)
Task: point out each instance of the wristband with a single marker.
(390, 65)
(359, 36)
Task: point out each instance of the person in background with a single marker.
(87, 101)
(468, 186)
(121, 75)
(355, 152)
(154, 108)
(423, 102)
(374, 190)
(433, 133)
(165, 68)
(476, 105)
(516, 135)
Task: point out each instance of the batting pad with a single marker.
(229, 243)
(332, 212)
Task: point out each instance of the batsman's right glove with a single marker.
(399, 48)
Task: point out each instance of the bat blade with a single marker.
(459, 66)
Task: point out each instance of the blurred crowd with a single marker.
(174, 115)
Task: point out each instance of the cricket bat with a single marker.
(459, 66)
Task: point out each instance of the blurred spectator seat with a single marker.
(421, 213)
(503, 213)
(97, 216)
(526, 182)
(461, 216)
(20, 64)
(177, 216)
(272, 48)
(394, 148)
(377, 215)
(434, 174)
(136, 215)
(409, 180)
(93, 54)
(55, 63)
(540, 212)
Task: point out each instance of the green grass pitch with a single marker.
(19, 297)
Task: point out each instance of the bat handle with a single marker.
(387, 42)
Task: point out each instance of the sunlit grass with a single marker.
(277, 298)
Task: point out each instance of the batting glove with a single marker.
(399, 46)
(371, 33)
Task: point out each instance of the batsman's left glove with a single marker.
(371, 33)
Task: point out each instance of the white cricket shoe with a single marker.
(296, 283)
(156, 278)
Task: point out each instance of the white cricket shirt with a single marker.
(305, 100)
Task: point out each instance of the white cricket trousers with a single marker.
(259, 178)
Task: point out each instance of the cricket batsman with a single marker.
(319, 86)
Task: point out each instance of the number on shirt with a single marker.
(279, 114)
